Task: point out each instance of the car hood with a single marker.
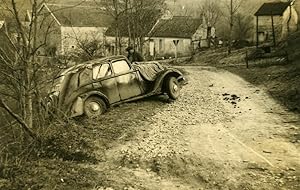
(149, 70)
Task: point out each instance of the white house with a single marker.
(64, 27)
(180, 34)
(167, 34)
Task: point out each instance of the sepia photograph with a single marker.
(149, 94)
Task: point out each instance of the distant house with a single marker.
(185, 32)
(64, 27)
(283, 16)
(132, 28)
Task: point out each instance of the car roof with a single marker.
(104, 59)
(90, 63)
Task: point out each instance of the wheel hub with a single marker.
(175, 88)
(94, 106)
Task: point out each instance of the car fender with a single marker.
(161, 78)
(77, 106)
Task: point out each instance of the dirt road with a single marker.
(223, 133)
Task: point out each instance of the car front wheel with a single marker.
(172, 88)
(94, 106)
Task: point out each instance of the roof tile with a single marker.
(178, 26)
(80, 16)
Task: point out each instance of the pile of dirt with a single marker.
(232, 99)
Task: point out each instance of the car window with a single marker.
(96, 71)
(120, 66)
(101, 71)
(85, 77)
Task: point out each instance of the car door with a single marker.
(126, 78)
(105, 82)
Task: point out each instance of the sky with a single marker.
(250, 5)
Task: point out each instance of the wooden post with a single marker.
(257, 31)
(176, 52)
(246, 59)
(273, 30)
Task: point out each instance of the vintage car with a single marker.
(90, 88)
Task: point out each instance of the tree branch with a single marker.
(18, 119)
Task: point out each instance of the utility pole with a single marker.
(231, 26)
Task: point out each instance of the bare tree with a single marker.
(88, 48)
(243, 27)
(210, 11)
(22, 67)
(114, 8)
(133, 19)
(22, 75)
(144, 15)
(233, 7)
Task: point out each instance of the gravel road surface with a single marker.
(222, 133)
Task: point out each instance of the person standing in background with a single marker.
(133, 56)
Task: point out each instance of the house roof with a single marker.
(274, 8)
(80, 16)
(140, 23)
(176, 27)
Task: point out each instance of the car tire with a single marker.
(172, 88)
(94, 106)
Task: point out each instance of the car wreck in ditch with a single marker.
(92, 87)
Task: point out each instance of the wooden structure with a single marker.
(274, 22)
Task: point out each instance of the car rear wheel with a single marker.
(94, 106)
(172, 88)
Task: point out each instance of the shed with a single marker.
(275, 21)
